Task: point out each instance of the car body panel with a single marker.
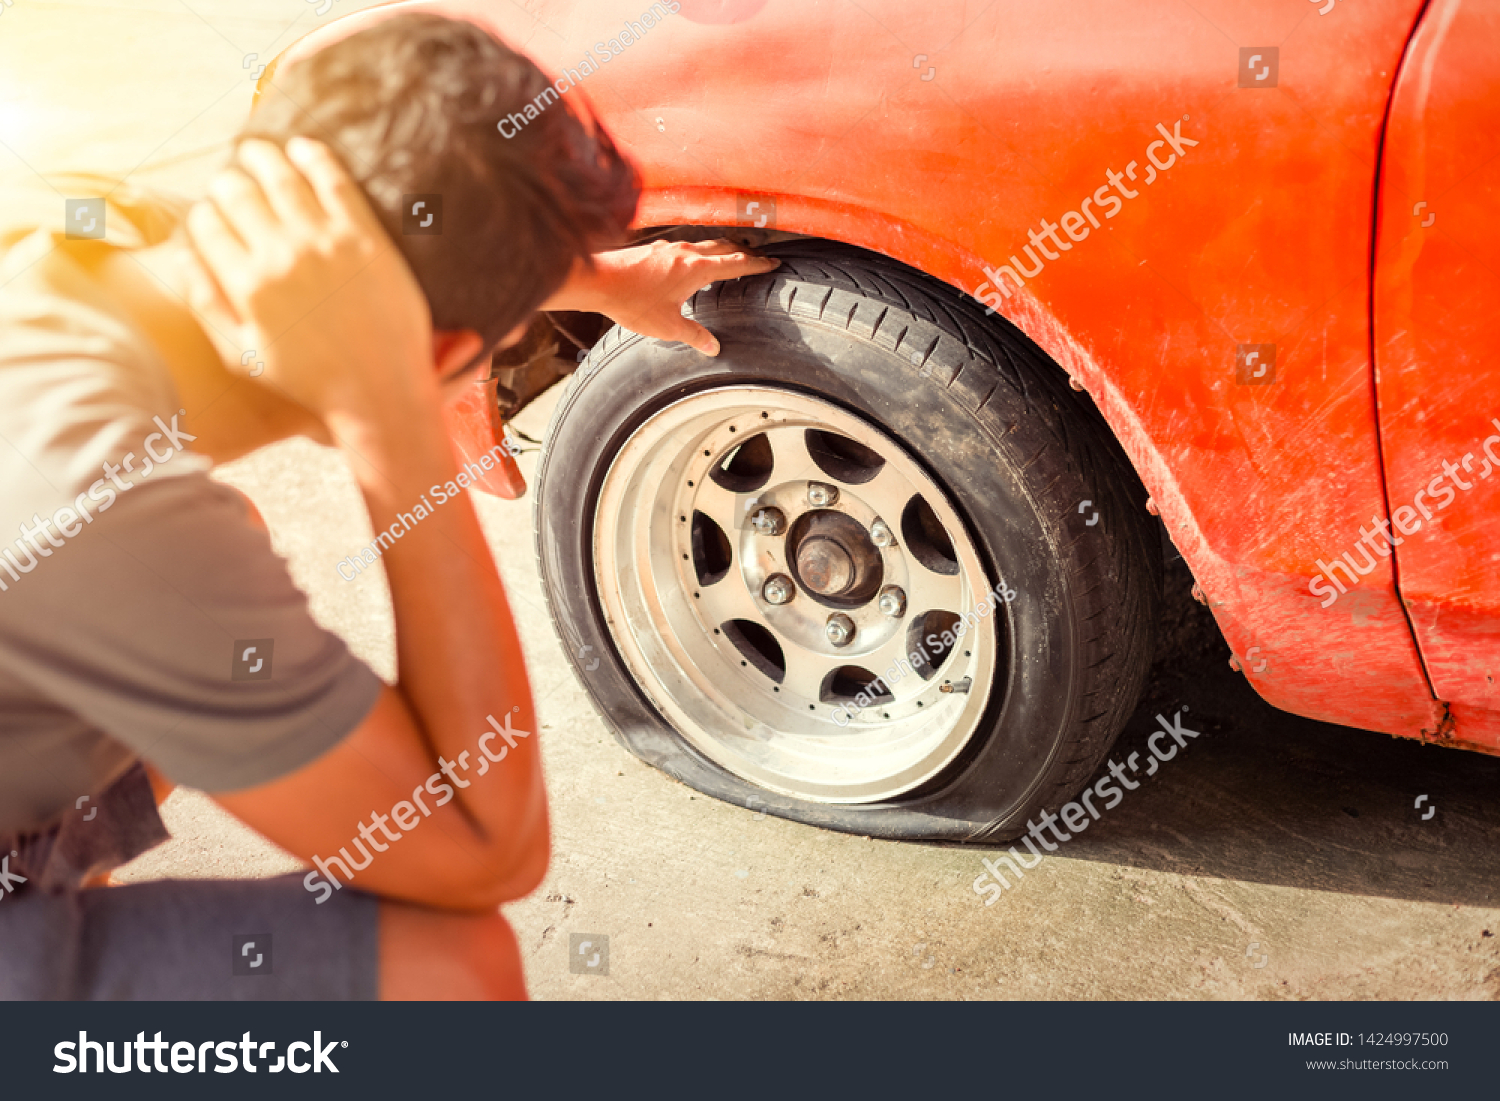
(481, 440)
(1437, 331)
(941, 138)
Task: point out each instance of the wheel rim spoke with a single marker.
(930, 591)
(887, 493)
(728, 600)
(723, 506)
(806, 670)
(791, 459)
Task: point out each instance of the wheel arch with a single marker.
(946, 260)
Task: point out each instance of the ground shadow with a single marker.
(1268, 797)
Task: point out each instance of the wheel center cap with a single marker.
(824, 566)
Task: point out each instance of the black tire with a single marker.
(996, 424)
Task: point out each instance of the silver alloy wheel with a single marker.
(710, 505)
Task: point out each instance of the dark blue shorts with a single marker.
(171, 940)
(190, 940)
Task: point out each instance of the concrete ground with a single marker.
(1275, 858)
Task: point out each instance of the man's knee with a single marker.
(430, 954)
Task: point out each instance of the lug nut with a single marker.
(881, 535)
(768, 521)
(840, 629)
(822, 495)
(893, 601)
(778, 589)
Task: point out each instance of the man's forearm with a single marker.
(580, 292)
(458, 655)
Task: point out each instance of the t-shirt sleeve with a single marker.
(170, 624)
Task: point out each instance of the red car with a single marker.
(888, 564)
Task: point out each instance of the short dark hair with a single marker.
(412, 106)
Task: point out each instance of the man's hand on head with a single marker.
(643, 287)
(296, 265)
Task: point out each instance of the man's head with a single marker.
(411, 105)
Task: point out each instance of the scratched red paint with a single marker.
(1437, 328)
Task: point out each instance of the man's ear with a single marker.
(453, 348)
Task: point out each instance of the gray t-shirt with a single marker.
(142, 614)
